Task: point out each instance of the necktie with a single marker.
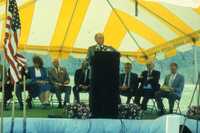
(85, 75)
(149, 73)
(126, 80)
(171, 80)
(101, 48)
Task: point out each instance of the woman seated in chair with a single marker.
(38, 85)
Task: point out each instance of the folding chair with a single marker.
(178, 109)
(153, 107)
(52, 100)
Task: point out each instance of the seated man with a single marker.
(59, 79)
(81, 80)
(128, 82)
(9, 88)
(149, 85)
(171, 89)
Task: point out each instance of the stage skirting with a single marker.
(165, 124)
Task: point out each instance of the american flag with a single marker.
(13, 28)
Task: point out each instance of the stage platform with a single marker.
(164, 124)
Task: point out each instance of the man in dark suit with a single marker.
(128, 82)
(171, 89)
(59, 79)
(149, 84)
(9, 88)
(99, 38)
(81, 80)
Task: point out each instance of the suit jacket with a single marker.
(177, 85)
(80, 76)
(59, 77)
(93, 49)
(133, 81)
(32, 76)
(154, 82)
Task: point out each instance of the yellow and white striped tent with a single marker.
(61, 27)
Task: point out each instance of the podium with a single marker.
(104, 95)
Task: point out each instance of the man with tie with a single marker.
(81, 80)
(128, 82)
(171, 89)
(149, 84)
(59, 80)
(99, 38)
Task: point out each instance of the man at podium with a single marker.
(99, 38)
(104, 79)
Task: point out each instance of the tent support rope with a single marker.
(127, 29)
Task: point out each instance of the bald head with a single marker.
(99, 38)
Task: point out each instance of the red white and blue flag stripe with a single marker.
(13, 27)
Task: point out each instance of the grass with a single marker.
(38, 112)
(44, 113)
(35, 112)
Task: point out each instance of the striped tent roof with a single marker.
(61, 27)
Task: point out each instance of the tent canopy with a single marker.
(62, 27)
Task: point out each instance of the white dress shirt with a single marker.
(37, 73)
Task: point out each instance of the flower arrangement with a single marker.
(82, 111)
(128, 111)
(78, 111)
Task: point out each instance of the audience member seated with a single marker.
(81, 81)
(171, 89)
(38, 84)
(9, 86)
(59, 80)
(7, 89)
(149, 84)
(128, 82)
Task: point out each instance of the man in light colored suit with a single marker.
(171, 89)
(59, 79)
(99, 38)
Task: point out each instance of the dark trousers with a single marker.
(58, 90)
(19, 90)
(76, 91)
(146, 96)
(8, 93)
(129, 94)
(171, 99)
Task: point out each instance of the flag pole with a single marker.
(13, 110)
(3, 90)
(3, 73)
(24, 107)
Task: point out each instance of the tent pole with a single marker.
(195, 67)
(24, 106)
(3, 73)
(195, 63)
